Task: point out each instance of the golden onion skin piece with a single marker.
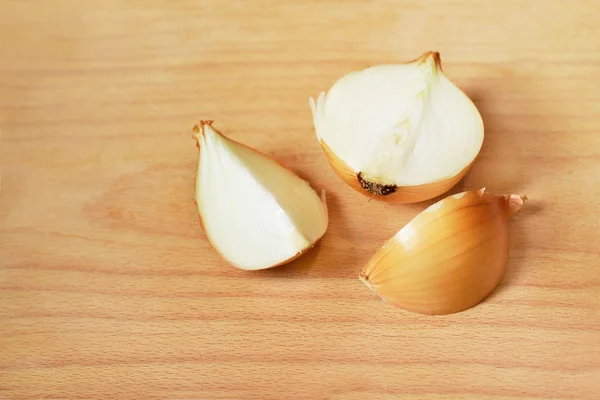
(448, 258)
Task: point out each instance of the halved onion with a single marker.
(256, 213)
(403, 132)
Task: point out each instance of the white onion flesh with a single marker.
(255, 212)
(402, 125)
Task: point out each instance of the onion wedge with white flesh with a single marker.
(256, 213)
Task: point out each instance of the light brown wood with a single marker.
(109, 288)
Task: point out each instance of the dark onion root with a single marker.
(374, 187)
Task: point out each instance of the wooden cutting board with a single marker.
(109, 289)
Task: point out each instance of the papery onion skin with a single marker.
(448, 258)
(198, 130)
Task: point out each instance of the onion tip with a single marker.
(198, 130)
(433, 57)
(365, 280)
(515, 203)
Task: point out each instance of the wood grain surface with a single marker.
(109, 289)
